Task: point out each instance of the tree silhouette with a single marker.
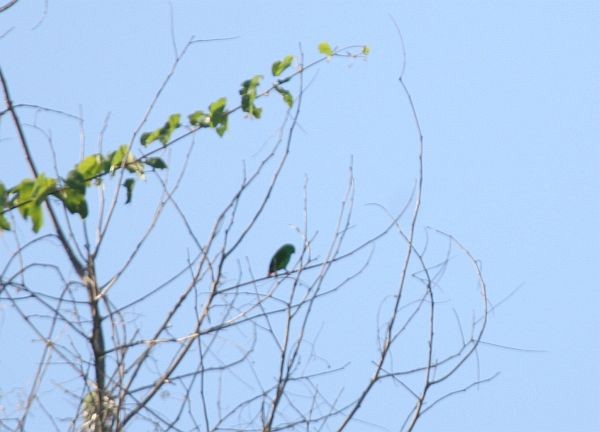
(211, 344)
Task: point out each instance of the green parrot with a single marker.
(281, 259)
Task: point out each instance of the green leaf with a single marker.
(199, 119)
(75, 202)
(164, 133)
(35, 212)
(287, 96)
(129, 184)
(4, 225)
(116, 158)
(148, 138)
(23, 196)
(3, 195)
(218, 115)
(75, 181)
(325, 48)
(283, 80)
(168, 129)
(123, 157)
(249, 93)
(134, 166)
(73, 194)
(91, 167)
(157, 163)
(29, 196)
(279, 66)
(42, 187)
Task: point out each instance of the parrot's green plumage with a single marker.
(281, 258)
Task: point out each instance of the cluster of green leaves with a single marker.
(217, 115)
(277, 69)
(29, 195)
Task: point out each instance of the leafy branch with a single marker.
(29, 195)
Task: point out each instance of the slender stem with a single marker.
(59, 232)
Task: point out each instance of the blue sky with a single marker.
(508, 96)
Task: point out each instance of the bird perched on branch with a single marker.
(281, 259)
